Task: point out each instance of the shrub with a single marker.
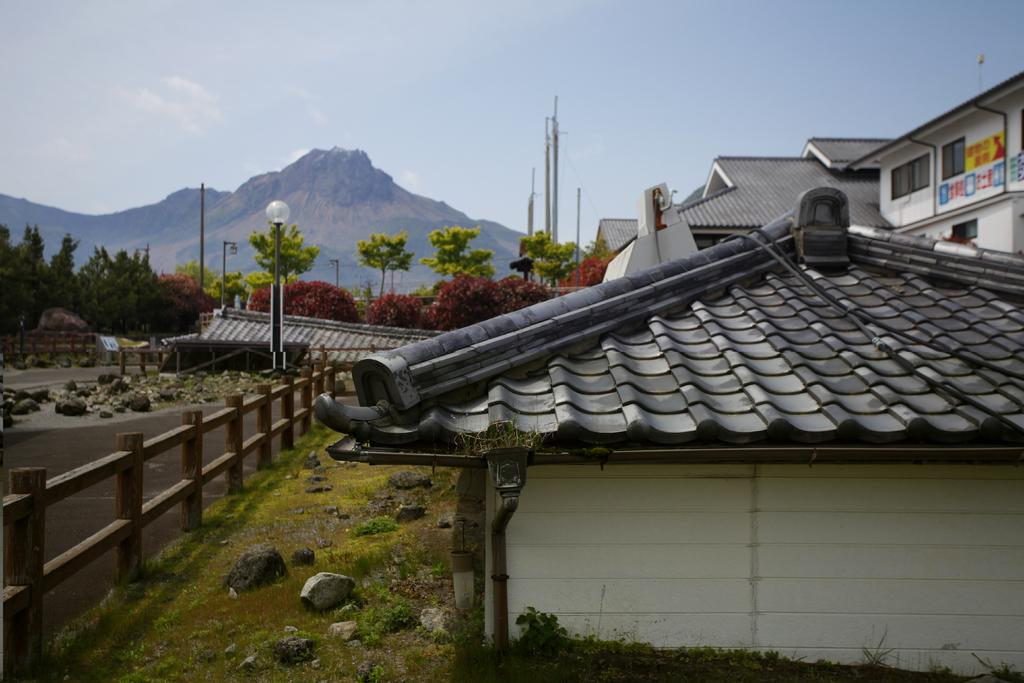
(181, 301)
(518, 293)
(543, 634)
(464, 301)
(312, 299)
(377, 525)
(591, 273)
(395, 310)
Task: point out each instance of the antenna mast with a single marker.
(554, 185)
(547, 177)
(529, 206)
(981, 63)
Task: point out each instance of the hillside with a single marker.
(336, 197)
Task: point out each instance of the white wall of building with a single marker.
(814, 562)
(993, 220)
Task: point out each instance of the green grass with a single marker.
(377, 525)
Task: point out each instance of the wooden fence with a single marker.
(28, 578)
(142, 356)
(52, 344)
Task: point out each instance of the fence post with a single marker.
(128, 501)
(307, 399)
(318, 377)
(120, 361)
(331, 373)
(288, 408)
(23, 634)
(233, 443)
(192, 470)
(263, 425)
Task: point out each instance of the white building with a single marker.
(959, 176)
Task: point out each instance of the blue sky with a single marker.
(110, 105)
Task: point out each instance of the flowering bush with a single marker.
(312, 299)
(181, 301)
(518, 293)
(591, 273)
(464, 301)
(395, 310)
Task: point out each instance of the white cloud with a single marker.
(185, 102)
(410, 180)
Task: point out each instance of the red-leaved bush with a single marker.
(395, 310)
(591, 273)
(181, 302)
(518, 293)
(464, 301)
(311, 299)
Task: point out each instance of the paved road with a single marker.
(70, 521)
(38, 378)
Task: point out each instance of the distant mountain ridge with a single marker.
(336, 197)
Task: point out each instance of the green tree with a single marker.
(61, 280)
(384, 252)
(236, 281)
(296, 257)
(453, 255)
(551, 262)
(191, 268)
(598, 249)
(119, 293)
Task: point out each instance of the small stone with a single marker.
(445, 521)
(315, 664)
(119, 409)
(139, 403)
(293, 649)
(232, 593)
(316, 479)
(325, 590)
(303, 556)
(324, 543)
(248, 664)
(311, 461)
(291, 629)
(167, 395)
(331, 510)
(319, 488)
(355, 642)
(231, 649)
(343, 629)
(410, 512)
(407, 479)
(106, 414)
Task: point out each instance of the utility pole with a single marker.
(529, 206)
(578, 236)
(202, 234)
(547, 177)
(554, 184)
(336, 263)
(981, 63)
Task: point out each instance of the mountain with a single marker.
(336, 197)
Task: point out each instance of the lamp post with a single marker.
(277, 214)
(224, 269)
(337, 265)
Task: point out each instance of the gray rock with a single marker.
(343, 629)
(434, 620)
(291, 629)
(119, 409)
(293, 649)
(71, 407)
(119, 385)
(311, 461)
(407, 513)
(24, 407)
(407, 479)
(167, 394)
(303, 556)
(105, 414)
(71, 385)
(316, 479)
(257, 566)
(83, 392)
(445, 521)
(139, 403)
(355, 642)
(21, 395)
(325, 590)
(231, 649)
(248, 664)
(105, 378)
(319, 488)
(41, 395)
(331, 510)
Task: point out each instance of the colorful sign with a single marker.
(973, 182)
(984, 151)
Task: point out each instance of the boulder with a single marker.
(24, 407)
(293, 649)
(343, 629)
(106, 414)
(61, 320)
(118, 385)
(303, 556)
(71, 385)
(139, 403)
(72, 407)
(407, 479)
(40, 395)
(410, 512)
(325, 590)
(105, 378)
(257, 566)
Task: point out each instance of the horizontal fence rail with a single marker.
(28, 577)
(50, 344)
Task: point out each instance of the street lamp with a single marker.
(277, 214)
(224, 269)
(337, 264)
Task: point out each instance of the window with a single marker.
(911, 177)
(953, 159)
(964, 232)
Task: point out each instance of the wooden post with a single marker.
(263, 423)
(318, 377)
(128, 501)
(233, 443)
(121, 354)
(331, 373)
(23, 566)
(288, 408)
(142, 361)
(307, 399)
(192, 470)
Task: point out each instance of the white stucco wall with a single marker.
(814, 562)
(1000, 225)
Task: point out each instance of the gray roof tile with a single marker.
(617, 232)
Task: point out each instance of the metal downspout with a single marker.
(500, 566)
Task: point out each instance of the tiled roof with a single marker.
(351, 341)
(725, 347)
(841, 151)
(766, 187)
(617, 232)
